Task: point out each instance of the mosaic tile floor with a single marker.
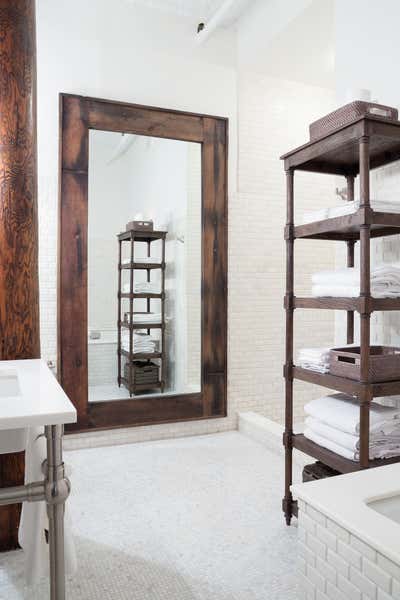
(189, 519)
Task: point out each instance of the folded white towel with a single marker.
(143, 287)
(387, 435)
(142, 342)
(34, 521)
(314, 359)
(145, 318)
(385, 282)
(343, 412)
(349, 208)
(375, 451)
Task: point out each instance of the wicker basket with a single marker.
(384, 363)
(139, 226)
(348, 113)
(317, 471)
(143, 373)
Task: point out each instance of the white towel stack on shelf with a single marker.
(143, 287)
(314, 359)
(142, 342)
(385, 282)
(333, 422)
(349, 208)
(144, 318)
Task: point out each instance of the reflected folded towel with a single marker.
(143, 287)
(349, 208)
(34, 521)
(385, 282)
(144, 317)
(142, 342)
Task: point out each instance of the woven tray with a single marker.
(348, 113)
(384, 363)
(139, 226)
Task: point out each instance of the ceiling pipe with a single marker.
(229, 11)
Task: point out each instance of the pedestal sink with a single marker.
(11, 440)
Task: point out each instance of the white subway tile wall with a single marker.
(335, 564)
(273, 117)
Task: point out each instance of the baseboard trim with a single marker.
(268, 433)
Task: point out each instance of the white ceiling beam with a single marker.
(227, 13)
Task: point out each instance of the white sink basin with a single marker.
(11, 440)
(9, 384)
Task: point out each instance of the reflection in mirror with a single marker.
(144, 266)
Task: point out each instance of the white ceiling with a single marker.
(200, 10)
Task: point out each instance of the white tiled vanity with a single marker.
(30, 396)
(349, 536)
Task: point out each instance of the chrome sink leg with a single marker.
(57, 489)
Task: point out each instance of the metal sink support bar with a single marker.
(54, 490)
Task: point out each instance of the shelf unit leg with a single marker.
(287, 503)
(350, 262)
(365, 294)
(119, 309)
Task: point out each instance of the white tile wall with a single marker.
(335, 564)
(273, 118)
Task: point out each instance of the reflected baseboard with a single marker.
(111, 391)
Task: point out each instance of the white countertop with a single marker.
(345, 499)
(31, 396)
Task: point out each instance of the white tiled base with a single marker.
(189, 519)
(269, 434)
(336, 565)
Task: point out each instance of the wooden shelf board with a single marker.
(347, 227)
(348, 304)
(135, 295)
(335, 461)
(141, 386)
(142, 236)
(141, 325)
(141, 266)
(337, 153)
(343, 384)
(141, 355)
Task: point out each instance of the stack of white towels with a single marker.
(349, 208)
(385, 282)
(334, 423)
(143, 287)
(143, 318)
(142, 342)
(314, 359)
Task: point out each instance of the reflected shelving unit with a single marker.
(354, 149)
(128, 358)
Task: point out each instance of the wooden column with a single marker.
(287, 503)
(365, 295)
(19, 295)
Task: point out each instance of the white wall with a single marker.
(366, 44)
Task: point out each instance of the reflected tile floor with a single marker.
(190, 519)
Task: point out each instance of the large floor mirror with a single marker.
(142, 264)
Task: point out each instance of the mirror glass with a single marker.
(144, 266)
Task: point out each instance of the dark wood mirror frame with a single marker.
(78, 115)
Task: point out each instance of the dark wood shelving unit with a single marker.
(354, 149)
(147, 237)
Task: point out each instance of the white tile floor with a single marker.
(189, 519)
